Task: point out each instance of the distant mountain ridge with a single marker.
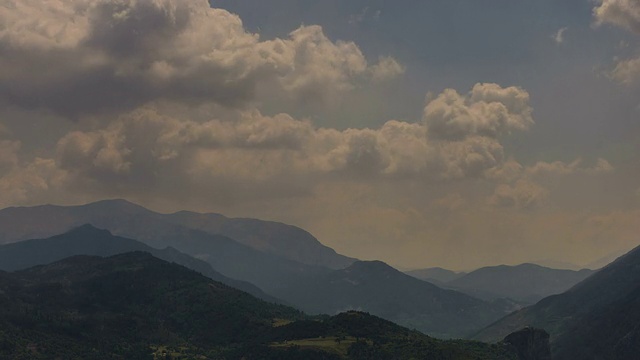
(280, 239)
(376, 287)
(436, 275)
(231, 257)
(599, 318)
(90, 241)
(286, 241)
(525, 283)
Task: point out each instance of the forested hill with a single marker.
(132, 306)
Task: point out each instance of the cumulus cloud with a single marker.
(143, 144)
(30, 181)
(627, 71)
(623, 13)
(316, 68)
(386, 68)
(488, 110)
(82, 56)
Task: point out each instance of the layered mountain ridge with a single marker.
(596, 319)
(88, 240)
(525, 284)
(124, 218)
(135, 306)
(268, 269)
(378, 288)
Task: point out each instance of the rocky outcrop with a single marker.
(530, 344)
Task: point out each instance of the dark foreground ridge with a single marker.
(133, 305)
(595, 320)
(530, 344)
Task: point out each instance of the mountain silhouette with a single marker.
(378, 288)
(596, 319)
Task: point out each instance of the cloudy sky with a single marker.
(455, 133)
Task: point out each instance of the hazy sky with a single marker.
(455, 133)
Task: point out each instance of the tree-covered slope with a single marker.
(122, 305)
(132, 306)
(88, 240)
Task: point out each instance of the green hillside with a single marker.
(88, 240)
(135, 306)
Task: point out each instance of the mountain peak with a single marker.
(372, 266)
(117, 204)
(88, 229)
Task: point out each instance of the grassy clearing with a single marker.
(328, 344)
(281, 322)
(163, 352)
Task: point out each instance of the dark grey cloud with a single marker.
(87, 57)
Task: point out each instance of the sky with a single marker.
(454, 133)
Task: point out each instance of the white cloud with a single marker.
(83, 56)
(142, 144)
(627, 71)
(558, 37)
(386, 68)
(623, 13)
(488, 110)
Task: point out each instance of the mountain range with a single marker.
(599, 318)
(435, 275)
(374, 287)
(416, 303)
(135, 306)
(525, 284)
(267, 254)
(122, 217)
(595, 319)
(88, 240)
(386, 292)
